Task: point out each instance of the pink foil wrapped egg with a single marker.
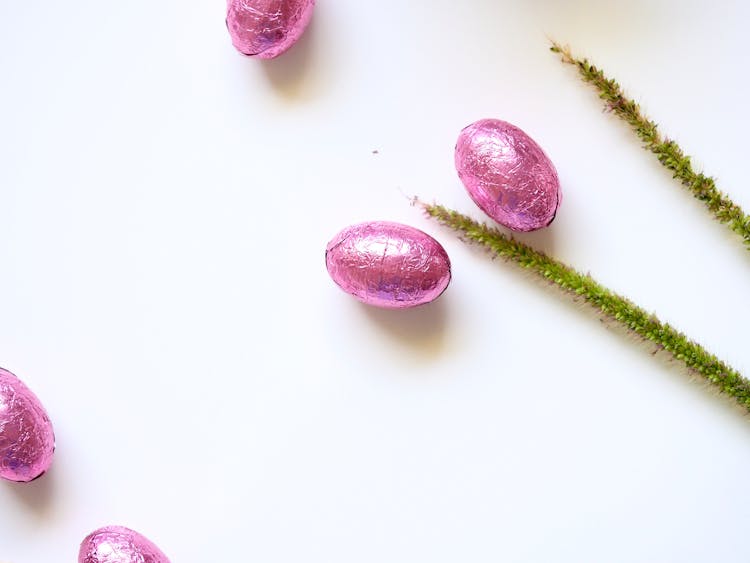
(508, 175)
(267, 28)
(388, 265)
(116, 544)
(27, 440)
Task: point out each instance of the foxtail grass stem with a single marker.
(646, 325)
(667, 151)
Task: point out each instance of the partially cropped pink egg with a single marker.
(508, 175)
(388, 265)
(267, 28)
(27, 441)
(116, 544)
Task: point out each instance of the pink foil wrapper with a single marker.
(27, 440)
(508, 175)
(267, 28)
(388, 265)
(116, 544)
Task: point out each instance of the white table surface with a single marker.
(165, 208)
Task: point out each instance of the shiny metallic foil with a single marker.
(27, 441)
(508, 175)
(115, 544)
(388, 265)
(267, 28)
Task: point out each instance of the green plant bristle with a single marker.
(608, 303)
(667, 151)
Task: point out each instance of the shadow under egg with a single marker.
(290, 73)
(543, 239)
(422, 329)
(37, 496)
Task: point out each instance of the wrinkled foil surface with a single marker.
(388, 265)
(116, 544)
(267, 28)
(27, 441)
(508, 175)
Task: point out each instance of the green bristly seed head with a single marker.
(608, 303)
(667, 151)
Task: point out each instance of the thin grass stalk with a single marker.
(666, 150)
(611, 305)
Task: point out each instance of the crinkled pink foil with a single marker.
(508, 175)
(27, 441)
(388, 265)
(267, 28)
(116, 544)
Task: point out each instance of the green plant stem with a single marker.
(607, 302)
(667, 151)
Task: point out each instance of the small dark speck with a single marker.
(376, 151)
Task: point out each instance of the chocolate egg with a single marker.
(116, 544)
(267, 28)
(27, 441)
(388, 265)
(508, 175)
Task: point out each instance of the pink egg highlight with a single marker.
(116, 544)
(508, 175)
(267, 28)
(388, 265)
(27, 440)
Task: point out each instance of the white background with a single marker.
(165, 209)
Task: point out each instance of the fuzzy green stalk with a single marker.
(610, 304)
(667, 151)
